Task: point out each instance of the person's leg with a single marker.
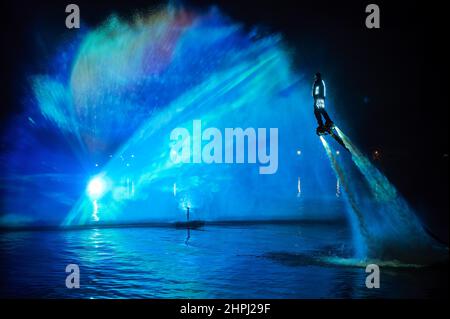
(327, 118)
(318, 117)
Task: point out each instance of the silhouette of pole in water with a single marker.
(188, 236)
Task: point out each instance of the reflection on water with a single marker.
(240, 261)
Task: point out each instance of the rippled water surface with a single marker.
(238, 261)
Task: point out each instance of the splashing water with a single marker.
(382, 189)
(359, 224)
(386, 223)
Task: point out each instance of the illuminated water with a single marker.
(240, 261)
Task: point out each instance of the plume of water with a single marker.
(389, 228)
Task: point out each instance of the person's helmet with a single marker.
(318, 75)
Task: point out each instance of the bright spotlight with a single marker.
(96, 187)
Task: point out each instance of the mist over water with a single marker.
(129, 84)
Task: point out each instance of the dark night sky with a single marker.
(388, 85)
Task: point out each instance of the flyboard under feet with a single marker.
(331, 130)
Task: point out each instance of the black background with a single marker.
(389, 85)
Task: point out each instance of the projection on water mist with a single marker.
(100, 121)
(97, 127)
